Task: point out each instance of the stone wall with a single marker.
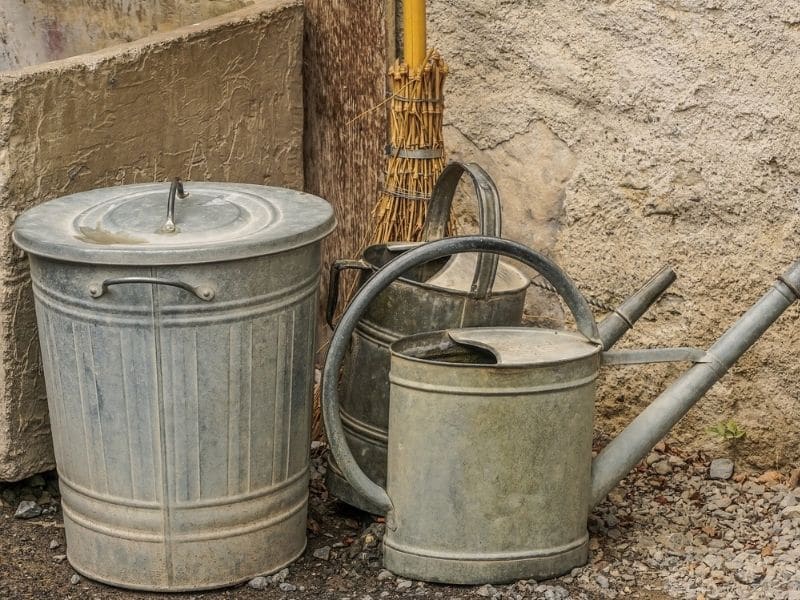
(629, 135)
(221, 100)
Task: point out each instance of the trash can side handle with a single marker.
(203, 292)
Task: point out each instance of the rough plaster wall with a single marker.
(36, 31)
(218, 101)
(649, 132)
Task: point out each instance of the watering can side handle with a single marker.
(333, 285)
(340, 341)
(489, 217)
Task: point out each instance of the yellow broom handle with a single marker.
(414, 32)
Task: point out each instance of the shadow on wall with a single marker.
(682, 126)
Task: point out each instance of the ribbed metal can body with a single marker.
(489, 466)
(405, 308)
(181, 426)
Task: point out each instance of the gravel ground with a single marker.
(668, 531)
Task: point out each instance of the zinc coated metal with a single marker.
(482, 294)
(483, 450)
(179, 399)
(490, 475)
(124, 225)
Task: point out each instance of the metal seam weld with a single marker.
(791, 286)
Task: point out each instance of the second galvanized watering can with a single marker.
(463, 291)
(490, 475)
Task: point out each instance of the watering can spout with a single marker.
(614, 326)
(636, 440)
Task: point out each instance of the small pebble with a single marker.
(75, 579)
(323, 553)
(662, 468)
(791, 512)
(37, 481)
(28, 509)
(259, 583)
(404, 584)
(721, 468)
(287, 587)
(280, 576)
(54, 544)
(385, 574)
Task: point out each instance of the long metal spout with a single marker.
(622, 319)
(629, 447)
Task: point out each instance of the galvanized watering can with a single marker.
(490, 475)
(467, 291)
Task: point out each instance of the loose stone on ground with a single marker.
(28, 509)
(660, 534)
(721, 468)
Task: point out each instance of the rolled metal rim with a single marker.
(261, 221)
(340, 341)
(396, 349)
(524, 282)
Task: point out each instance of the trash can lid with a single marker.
(124, 225)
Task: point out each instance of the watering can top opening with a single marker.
(470, 274)
(145, 225)
(454, 274)
(500, 347)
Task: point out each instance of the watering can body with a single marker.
(484, 451)
(490, 473)
(438, 295)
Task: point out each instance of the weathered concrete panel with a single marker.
(37, 31)
(221, 100)
(675, 122)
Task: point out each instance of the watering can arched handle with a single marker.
(565, 287)
(489, 217)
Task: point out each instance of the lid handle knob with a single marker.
(176, 189)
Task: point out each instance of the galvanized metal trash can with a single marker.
(178, 353)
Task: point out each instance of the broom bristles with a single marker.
(415, 123)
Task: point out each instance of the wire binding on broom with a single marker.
(415, 124)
